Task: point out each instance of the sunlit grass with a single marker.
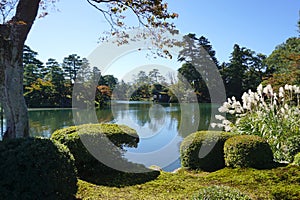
(278, 183)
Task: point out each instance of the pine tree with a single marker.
(71, 66)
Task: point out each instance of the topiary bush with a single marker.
(247, 151)
(102, 158)
(220, 193)
(36, 168)
(297, 159)
(212, 141)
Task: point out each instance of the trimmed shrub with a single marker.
(97, 137)
(212, 141)
(297, 159)
(220, 193)
(247, 151)
(293, 147)
(119, 135)
(35, 168)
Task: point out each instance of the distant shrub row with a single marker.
(211, 151)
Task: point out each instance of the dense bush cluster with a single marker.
(106, 144)
(247, 151)
(220, 193)
(207, 141)
(36, 168)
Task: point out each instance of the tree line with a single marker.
(245, 70)
(51, 84)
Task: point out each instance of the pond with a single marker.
(161, 127)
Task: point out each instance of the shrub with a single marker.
(119, 135)
(297, 159)
(220, 193)
(96, 136)
(36, 168)
(292, 147)
(207, 141)
(247, 151)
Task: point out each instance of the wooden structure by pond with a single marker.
(161, 97)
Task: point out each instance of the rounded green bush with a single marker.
(297, 159)
(212, 141)
(96, 136)
(247, 151)
(220, 193)
(35, 168)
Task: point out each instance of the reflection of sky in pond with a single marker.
(161, 127)
(157, 129)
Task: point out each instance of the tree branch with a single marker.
(104, 12)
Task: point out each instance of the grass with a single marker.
(278, 183)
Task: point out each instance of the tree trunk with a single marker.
(11, 89)
(12, 38)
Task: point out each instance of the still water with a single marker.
(161, 127)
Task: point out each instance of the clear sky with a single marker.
(256, 24)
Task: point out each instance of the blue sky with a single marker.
(257, 24)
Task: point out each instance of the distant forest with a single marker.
(50, 84)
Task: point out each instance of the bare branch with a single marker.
(104, 12)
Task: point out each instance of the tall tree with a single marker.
(17, 21)
(121, 90)
(199, 58)
(154, 75)
(12, 38)
(205, 43)
(110, 81)
(30, 75)
(95, 75)
(29, 57)
(244, 71)
(71, 66)
(84, 72)
(236, 69)
(284, 64)
(56, 76)
(142, 78)
(32, 66)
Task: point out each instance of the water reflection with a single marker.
(161, 127)
(43, 122)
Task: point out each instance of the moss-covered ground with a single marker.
(277, 183)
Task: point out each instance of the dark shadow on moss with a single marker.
(95, 144)
(115, 178)
(272, 165)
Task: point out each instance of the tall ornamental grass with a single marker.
(266, 113)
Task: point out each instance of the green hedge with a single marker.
(35, 168)
(297, 159)
(247, 151)
(212, 141)
(120, 135)
(97, 136)
(220, 193)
